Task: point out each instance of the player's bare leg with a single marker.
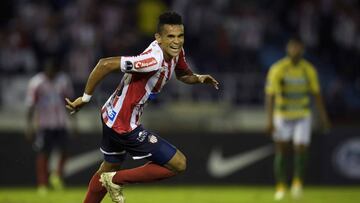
(42, 171)
(177, 163)
(281, 151)
(96, 191)
(56, 177)
(300, 151)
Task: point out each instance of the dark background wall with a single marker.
(334, 158)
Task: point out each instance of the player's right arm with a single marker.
(30, 101)
(270, 90)
(269, 106)
(102, 68)
(30, 128)
(143, 63)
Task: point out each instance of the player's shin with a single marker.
(280, 169)
(299, 166)
(42, 169)
(280, 175)
(96, 191)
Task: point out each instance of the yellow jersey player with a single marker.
(290, 83)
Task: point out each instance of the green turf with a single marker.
(189, 194)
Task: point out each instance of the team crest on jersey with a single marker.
(153, 139)
(145, 63)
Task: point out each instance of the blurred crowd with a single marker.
(238, 38)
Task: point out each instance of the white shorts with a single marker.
(298, 130)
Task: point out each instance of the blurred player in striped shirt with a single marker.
(48, 120)
(144, 77)
(290, 83)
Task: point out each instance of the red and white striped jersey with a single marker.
(145, 75)
(47, 98)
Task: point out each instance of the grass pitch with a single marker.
(187, 194)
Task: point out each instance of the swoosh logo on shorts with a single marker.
(219, 167)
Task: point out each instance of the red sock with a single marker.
(96, 191)
(42, 169)
(146, 173)
(60, 169)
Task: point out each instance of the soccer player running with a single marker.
(290, 83)
(144, 77)
(48, 121)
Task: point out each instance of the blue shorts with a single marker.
(139, 143)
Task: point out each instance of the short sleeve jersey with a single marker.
(292, 85)
(47, 97)
(145, 76)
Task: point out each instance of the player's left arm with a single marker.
(319, 101)
(185, 75)
(320, 104)
(198, 79)
(271, 88)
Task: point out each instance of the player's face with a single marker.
(171, 40)
(295, 49)
(50, 69)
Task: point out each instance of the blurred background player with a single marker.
(145, 75)
(290, 83)
(47, 121)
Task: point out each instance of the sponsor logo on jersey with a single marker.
(145, 63)
(111, 114)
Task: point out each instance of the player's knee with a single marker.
(282, 147)
(107, 167)
(180, 165)
(177, 163)
(300, 148)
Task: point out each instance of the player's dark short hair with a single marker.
(297, 39)
(52, 63)
(170, 18)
